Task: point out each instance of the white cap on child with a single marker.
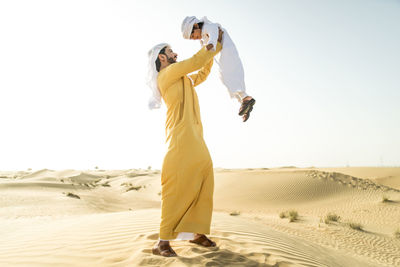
(152, 74)
(187, 26)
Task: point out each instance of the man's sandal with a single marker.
(165, 251)
(203, 241)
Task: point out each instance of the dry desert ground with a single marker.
(262, 217)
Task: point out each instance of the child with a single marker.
(230, 65)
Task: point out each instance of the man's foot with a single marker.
(164, 249)
(202, 240)
(246, 107)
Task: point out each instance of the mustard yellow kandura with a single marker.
(187, 176)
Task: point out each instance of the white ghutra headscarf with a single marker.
(187, 26)
(152, 74)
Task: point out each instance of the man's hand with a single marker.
(209, 47)
(220, 33)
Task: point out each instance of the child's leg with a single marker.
(231, 69)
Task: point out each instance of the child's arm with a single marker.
(212, 30)
(175, 71)
(202, 74)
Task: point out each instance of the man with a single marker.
(187, 176)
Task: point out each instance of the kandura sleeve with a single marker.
(202, 74)
(175, 71)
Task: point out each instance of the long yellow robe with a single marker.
(187, 176)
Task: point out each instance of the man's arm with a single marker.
(176, 70)
(202, 74)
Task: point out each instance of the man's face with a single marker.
(171, 56)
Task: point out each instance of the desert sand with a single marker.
(111, 218)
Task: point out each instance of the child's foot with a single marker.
(247, 115)
(246, 107)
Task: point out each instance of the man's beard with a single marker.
(171, 60)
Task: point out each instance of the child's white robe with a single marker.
(230, 66)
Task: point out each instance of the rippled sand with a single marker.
(111, 218)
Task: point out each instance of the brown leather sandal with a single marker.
(246, 115)
(246, 106)
(164, 250)
(203, 241)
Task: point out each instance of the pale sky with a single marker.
(325, 74)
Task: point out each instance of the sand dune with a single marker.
(384, 176)
(115, 220)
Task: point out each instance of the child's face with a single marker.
(196, 32)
